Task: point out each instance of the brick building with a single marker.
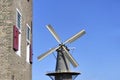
(15, 39)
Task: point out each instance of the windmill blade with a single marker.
(70, 58)
(49, 27)
(47, 53)
(76, 36)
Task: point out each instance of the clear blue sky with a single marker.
(97, 52)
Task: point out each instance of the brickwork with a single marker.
(12, 66)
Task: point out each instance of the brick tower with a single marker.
(15, 39)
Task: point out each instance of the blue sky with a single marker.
(97, 52)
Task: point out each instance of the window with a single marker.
(28, 32)
(28, 47)
(28, 53)
(19, 27)
(19, 19)
(19, 45)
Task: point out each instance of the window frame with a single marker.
(18, 52)
(28, 53)
(20, 23)
(28, 33)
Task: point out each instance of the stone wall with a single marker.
(12, 66)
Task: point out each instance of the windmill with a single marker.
(64, 58)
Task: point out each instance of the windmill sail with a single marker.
(49, 27)
(76, 36)
(47, 53)
(70, 58)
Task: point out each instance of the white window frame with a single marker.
(20, 31)
(28, 53)
(18, 12)
(19, 47)
(28, 43)
(28, 40)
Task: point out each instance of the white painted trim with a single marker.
(19, 47)
(28, 41)
(28, 53)
(17, 11)
(28, 44)
(20, 30)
